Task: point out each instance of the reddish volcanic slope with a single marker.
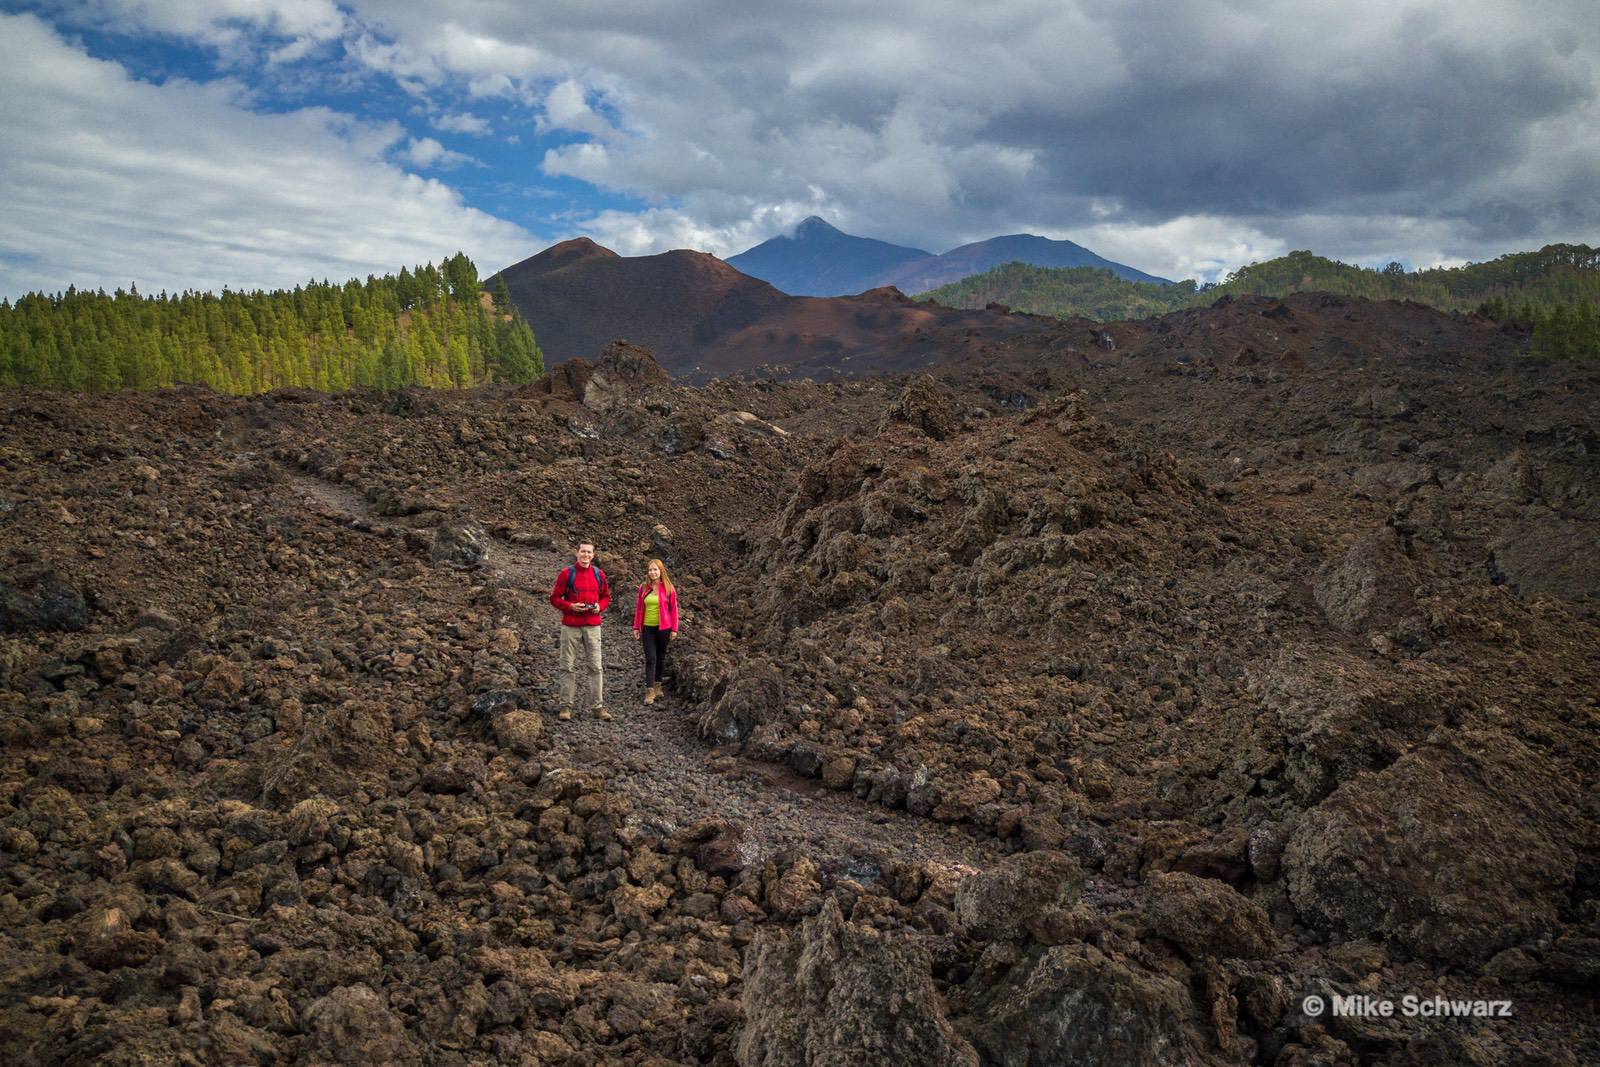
(579, 297)
(700, 316)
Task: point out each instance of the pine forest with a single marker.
(430, 326)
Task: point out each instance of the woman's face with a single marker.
(655, 573)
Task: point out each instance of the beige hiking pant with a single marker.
(586, 639)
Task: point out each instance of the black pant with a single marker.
(654, 639)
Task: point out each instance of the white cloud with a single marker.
(110, 180)
(425, 153)
(566, 107)
(639, 233)
(1199, 247)
(231, 26)
(462, 122)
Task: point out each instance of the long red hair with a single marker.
(666, 583)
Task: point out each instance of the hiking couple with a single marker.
(582, 595)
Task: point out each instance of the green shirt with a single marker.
(652, 609)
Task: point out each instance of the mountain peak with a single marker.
(582, 246)
(566, 255)
(816, 259)
(814, 225)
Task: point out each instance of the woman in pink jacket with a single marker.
(655, 622)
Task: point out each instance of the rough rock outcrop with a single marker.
(927, 406)
(1205, 917)
(352, 1025)
(835, 994)
(750, 700)
(1546, 554)
(1333, 716)
(1369, 586)
(40, 599)
(1075, 1004)
(623, 369)
(460, 543)
(1460, 849)
(1000, 903)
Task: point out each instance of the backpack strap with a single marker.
(572, 584)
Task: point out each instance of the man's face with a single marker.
(585, 554)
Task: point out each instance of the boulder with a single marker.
(796, 891)
(1332, 715)
(636, 906)
(924, 405)
(109, 941)
(632, 365)
(1370, 586)
(833, 994)
(1075, 1004)
(1001, 902)
(1205, 917)
(460, 543)
(519, 731)
(724, 854)
(1546, 553)
(352, 1025)
(40, 599)
(1459, 849)
(623, 368)
(752, 698)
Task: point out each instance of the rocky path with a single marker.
(652, 754)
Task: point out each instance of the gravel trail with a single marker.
(652, 753)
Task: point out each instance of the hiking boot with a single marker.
(602, 714)
(652, 694)
(565, 714)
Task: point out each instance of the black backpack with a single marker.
(600, 577)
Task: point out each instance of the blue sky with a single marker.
(255, 143)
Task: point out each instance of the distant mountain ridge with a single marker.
(700, 316)
(1026, 248)
(821, 260)
(1526, 288)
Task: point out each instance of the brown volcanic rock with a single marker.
(1461, 848)
(834, 994)
(631, 365)
(624, 370)
(1076, 1004)
(1204, 917)
(352, 1025)
(1083, 621)
(1001, 903)
(878, 331)
(1370, 585)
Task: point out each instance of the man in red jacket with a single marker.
(581, 594)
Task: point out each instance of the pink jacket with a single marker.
(669, 609)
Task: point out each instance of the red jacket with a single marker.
(585, 590)
(669, 609)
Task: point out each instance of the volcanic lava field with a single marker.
(1085, 695)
